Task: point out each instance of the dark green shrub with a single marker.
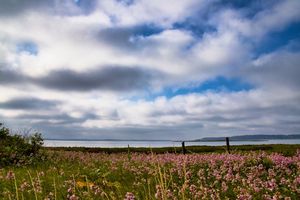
(19, 150)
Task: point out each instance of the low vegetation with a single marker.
(78, 173)
(19, 150)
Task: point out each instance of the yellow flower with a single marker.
(82, 184)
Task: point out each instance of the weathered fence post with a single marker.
(183, 148)
(227, 144)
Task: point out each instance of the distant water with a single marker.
(96, 143)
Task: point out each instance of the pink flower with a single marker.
(193, 189)
(224, 186)
(10, 175)
(73, 197)
(70, 190)
(129, 196)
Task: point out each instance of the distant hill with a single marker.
(250, 137)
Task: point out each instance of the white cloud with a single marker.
(75, 41)
(278, 70)
(162, 13)
(274, 18)
(237, 111)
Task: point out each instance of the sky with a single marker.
(141, 69)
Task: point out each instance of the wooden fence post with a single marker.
(227, 144)
(183, 148)
(128, 153)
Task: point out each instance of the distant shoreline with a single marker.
(200, 140)
(108, 140)
(233, 140)
(245, 138)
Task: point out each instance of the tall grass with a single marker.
(82, 175)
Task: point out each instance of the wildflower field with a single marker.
(83, 175)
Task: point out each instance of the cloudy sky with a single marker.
(150, 69)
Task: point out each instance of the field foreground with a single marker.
(83, 175)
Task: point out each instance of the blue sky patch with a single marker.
(86, 6)
(146, 30)
(218, 84)
(126, 2)
(194, 27)
(278, 39)
(28, 47)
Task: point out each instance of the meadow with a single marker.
(80, 173)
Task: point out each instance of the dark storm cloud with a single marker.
(173, 112)
(110, 78)
(28, 104)
(122, 37)
(61, 7)
(59, 118)
(13, 7)
(8, 77)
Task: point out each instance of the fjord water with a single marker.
(122, 143)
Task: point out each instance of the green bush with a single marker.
(19, 150)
